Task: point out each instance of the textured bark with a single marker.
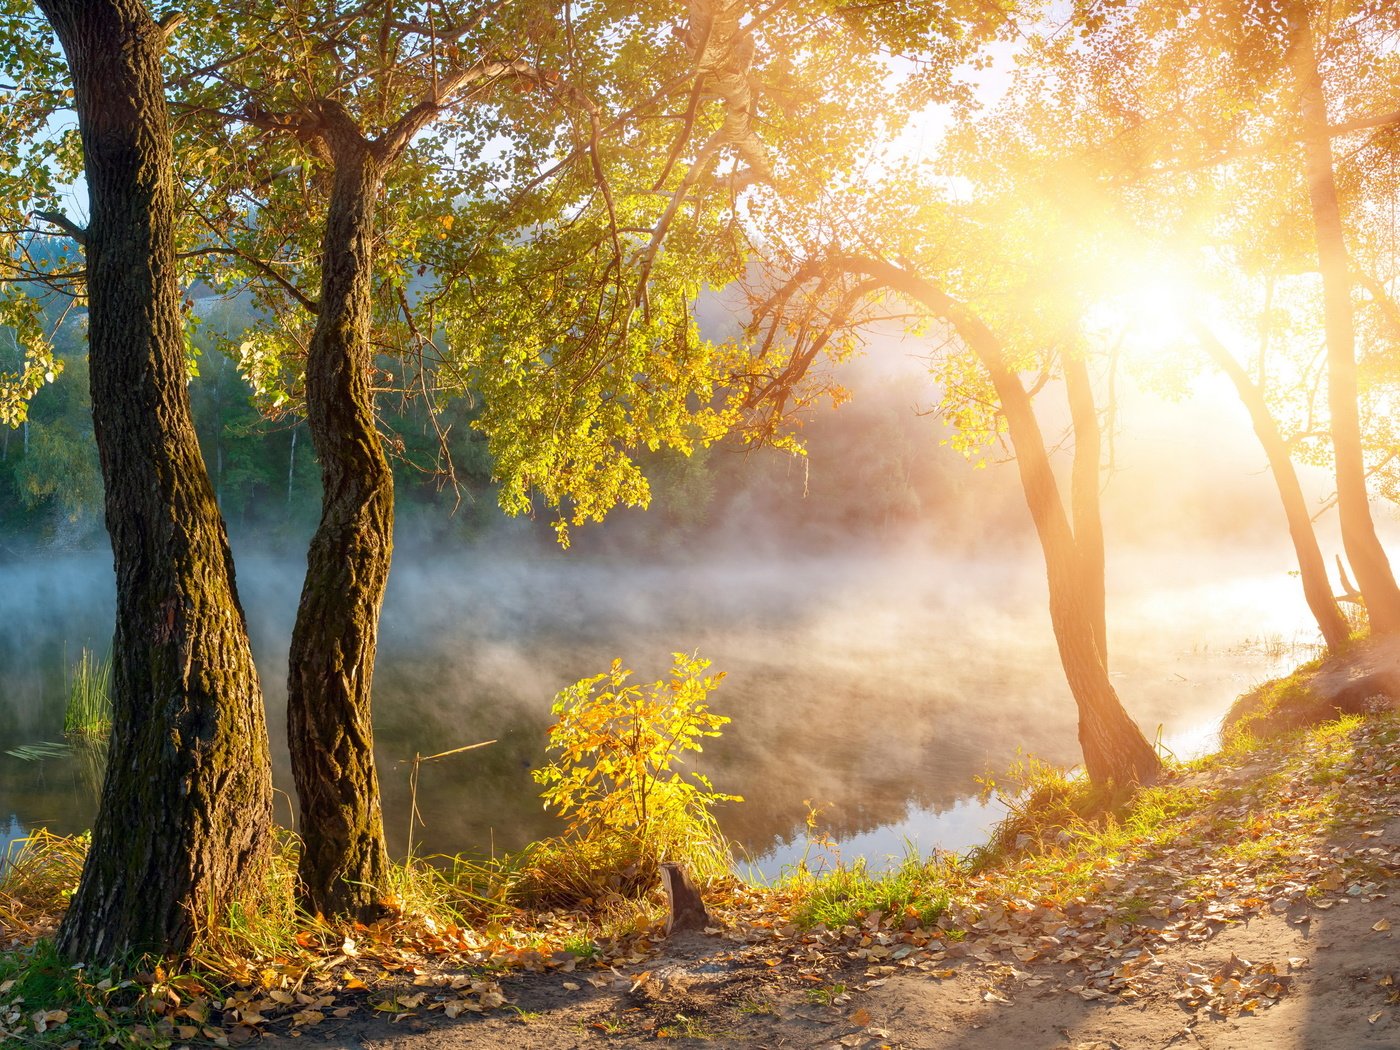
(1368, 558)
(1311, 566)
(344, 861)
(1113, 746)
(185, 815)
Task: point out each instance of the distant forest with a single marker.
(874, 467)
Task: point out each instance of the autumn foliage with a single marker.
(615, 778)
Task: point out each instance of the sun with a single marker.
(1149, 305)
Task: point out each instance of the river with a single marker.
(871, 686)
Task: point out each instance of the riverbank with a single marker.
(1263, 916)
(1244, 902)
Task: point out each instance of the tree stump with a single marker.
(687, 910)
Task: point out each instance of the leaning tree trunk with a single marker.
(1113, 746)
(344, 862)
(1311, 567)
(1368, 558)
(184, 820)
(1084, 497)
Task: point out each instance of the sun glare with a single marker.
(1150, 309)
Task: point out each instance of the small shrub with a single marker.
(615, 779)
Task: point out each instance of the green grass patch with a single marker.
(62, 1005)
(1280, 706)
(846, 894)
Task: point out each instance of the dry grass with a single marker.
(39, 875)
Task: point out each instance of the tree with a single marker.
(1242, 213)
(184, 820)
(1114, 748)
(422, 68)
(1007, 267)
(410, 98)
(1312, 567)
(1364, 551)
(1285, 80)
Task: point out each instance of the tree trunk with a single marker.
(1311, 566)
(292, 465)
(1114, 748)
(184, 821)
(1084, 497)
(344, 862)
(1364, 551)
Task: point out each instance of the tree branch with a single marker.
(67, 225)
(389, 145)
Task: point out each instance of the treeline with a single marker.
(871, 468)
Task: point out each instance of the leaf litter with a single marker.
(1008, 930)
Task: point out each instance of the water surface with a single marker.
(869, 686)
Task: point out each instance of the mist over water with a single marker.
(872, 683)
(879, 608)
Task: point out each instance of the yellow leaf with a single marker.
(1381, 926)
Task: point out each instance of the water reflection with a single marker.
(872, 687)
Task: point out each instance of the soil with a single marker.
(702, 991)
(1306, 960)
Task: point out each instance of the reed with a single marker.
(89, 710)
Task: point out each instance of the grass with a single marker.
(89, 708)
(685, 1027)
(1280, 705)
(847, 894)
(825, 996)
(581, 947)
(752, 1007)
(38, 875)
(35, 977)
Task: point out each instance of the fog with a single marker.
(872, 684)
(885, 642)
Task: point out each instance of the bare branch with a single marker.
(67, 225)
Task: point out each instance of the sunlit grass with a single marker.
(847, 893)
(37, 877)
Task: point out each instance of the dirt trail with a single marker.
(1183, 943)
(1338, 956)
